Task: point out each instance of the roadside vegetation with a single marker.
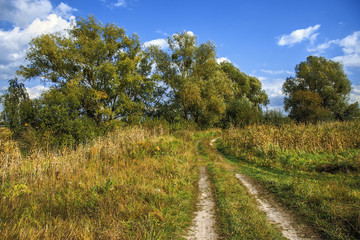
(134, 183)
(238, 215)
(314, 169)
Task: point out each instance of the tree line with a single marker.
(100, 77)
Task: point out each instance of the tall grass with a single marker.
(133, 183)
(312, 168)
(310, 138)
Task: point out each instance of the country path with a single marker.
(289, 224)
(204, 222)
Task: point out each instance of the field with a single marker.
(132, 184)
(313, 169)
(142, 182)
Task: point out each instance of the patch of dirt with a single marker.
(204, 222)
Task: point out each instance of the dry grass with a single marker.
(326, 137)
(311, 168)
(132, 184)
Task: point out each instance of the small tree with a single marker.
(12, 100)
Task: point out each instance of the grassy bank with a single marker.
(311, 168)
(238, 214)
(132, 184)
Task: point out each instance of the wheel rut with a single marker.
(204, 222)
(289, 224)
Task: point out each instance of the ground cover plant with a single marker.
(134, 183)
(311, 168)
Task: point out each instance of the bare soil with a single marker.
(204, 222)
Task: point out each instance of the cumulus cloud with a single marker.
(273, 88)
(350, 46)
(298, 36)
(22, 12)
(222, 59)
(31, 18)
(161, 42)
(14, 42)
(35, 92)
(355, 94)
(64, 10)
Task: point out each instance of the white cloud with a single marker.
(14, 42)
(322, 47)
(222, 59)
(277, 72)
(120, 3)
(23, 12)
(350, 46)
(298, 36)
(190, 33)
(64, 10)
(161, 42)
(351, 60)
(355, 94)
(35, 92)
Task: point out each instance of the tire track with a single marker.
(284, 218)
(204, 222)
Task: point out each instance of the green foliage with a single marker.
(14, 102)
(245, 85)
(311, 168)
(241, 112)
(275, 117)
(320, 91)
(198, 88)
(103, 60)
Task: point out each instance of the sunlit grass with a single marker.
(311, 168)
(132, 184)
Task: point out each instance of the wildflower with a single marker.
(158, 148)
(26, 124)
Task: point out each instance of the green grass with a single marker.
(322, 186)
(238, 215)
(131, 184)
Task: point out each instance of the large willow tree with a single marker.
(107, 66)
(198, 89)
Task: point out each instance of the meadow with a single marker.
(134, 183)
(313, 169)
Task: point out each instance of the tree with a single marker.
(197, 87)
(12, 100)
(320, 88)
(102, 60)
(244, 108)
(245, 85)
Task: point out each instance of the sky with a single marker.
(263, 38)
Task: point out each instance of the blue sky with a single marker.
(263, 38)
